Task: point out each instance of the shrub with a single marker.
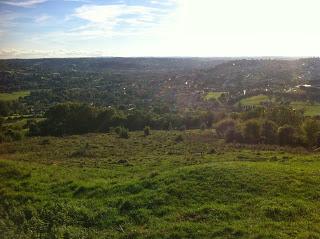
(203, 126)
(117, 129)
(82, 151)
(122, 132)
(233, 136)
(318, 139)
(13, 135)
(34, 129)
(269, 132)
(310, 129)
(286, 135)
(223, 126)
(146, 131)
(183, 128)
(179, 138)
(251, 131)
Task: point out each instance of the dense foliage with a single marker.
(74, 118)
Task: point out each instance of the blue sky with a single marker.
(72, 28)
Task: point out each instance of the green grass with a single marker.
(101, 186)
(309, 109)
(14, 95)
(254, 100)
(213, 95)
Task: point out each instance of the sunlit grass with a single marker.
(213, 95)
(14, 95)
(309, 109)
(254, 100)
(155, 187)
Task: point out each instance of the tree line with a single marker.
(76, 118)
(279, 125)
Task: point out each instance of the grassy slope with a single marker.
(254, 100)
(213, 95)
(14, 95)
(154, 187)
(310, 109)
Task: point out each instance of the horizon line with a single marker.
(162, 57)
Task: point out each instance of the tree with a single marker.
(251, 131)
(283, 115)
(69, 118)
(223, 126)
(207, 118)
(233, 135)
(318, 139)
(310, 129)
(269, 132)
(4, 108)
(286, 135)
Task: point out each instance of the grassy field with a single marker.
(309, 109)
(14, 95)
(166, 185)
(254, 100)
(213, 95)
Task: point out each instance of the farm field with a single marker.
(14, 95)
(170, 184)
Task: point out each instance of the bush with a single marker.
(318, 139)
(269, 132)
(183, 128)
(146, 131)
(13, 135)
(310, 129)
(286, 135)
(251, 131)
(179, 138)
(82, 151)
(122, 132)
(203, 126)
(224, 126)
(233, 136)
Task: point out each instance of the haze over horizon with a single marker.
(135, 28)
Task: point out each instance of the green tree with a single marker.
(286, 135)
(251, 131)
(269, 132)
(233, 136)
(310, 128)
(223, 126)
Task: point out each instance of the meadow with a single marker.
(254, 100)
(13, 95)
(170, 184)
(213, 95)
(309, 108)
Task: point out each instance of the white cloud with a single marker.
(84, 1)
(42, 18)
(112, 13)
(180, 28)
(115, 20)
(32, 53)
(24, 3)
(164, 2)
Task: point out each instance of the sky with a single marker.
(134, 28)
